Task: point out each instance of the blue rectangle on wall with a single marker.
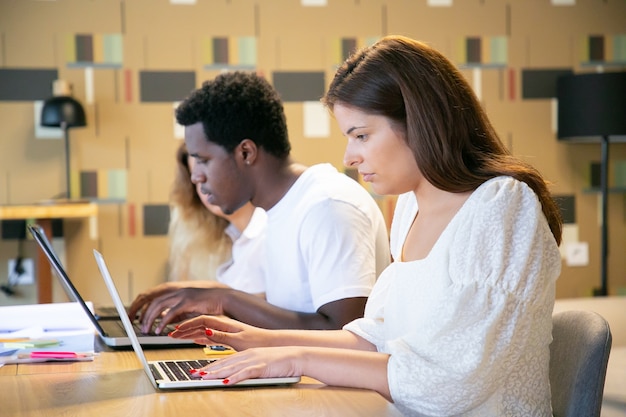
(17, 84)
(541, 83)
(166, 86)
(299, 86)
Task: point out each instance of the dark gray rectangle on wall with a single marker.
(473, 46)
(541, 83)
(84, 48)
(596, 48)
(16, 229)
(166, 86)
(348, 46)
(89, 184)
(567, 204)
(156, 218)
(220, 50)
(299, 86)
(13, 229)
(26, 84)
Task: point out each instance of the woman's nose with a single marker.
(349, 157)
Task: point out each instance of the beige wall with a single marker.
(160, 36)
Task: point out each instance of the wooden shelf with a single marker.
(43, 213)
(48, 211)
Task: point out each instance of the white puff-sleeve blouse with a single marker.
(468, 327)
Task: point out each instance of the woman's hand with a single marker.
(334, 357)
(255, 363)
(331, 366)
(211, 330)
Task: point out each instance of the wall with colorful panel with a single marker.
(131, 61)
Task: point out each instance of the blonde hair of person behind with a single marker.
(197, 238)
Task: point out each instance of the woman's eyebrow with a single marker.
(353, 128)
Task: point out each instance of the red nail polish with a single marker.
(202, 373)
(176, 327)
(170, 334)
(225, 381)
(209, 332)
(193, 371)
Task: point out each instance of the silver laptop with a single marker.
(173, 374)
(110, 329)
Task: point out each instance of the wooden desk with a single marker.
(43, 214)
(114, 385)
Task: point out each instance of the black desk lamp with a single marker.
(63, 111)
(591, 109)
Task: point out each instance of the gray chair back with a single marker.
(579, 354)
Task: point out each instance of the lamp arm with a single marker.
(66, 137)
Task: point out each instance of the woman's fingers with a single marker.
(235, 368)
(254, 363)
(235, 376)
(209, 322)
(198, 332)
(221, 330)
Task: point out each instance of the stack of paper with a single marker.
(45, 332)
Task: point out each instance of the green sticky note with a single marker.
(33, 343)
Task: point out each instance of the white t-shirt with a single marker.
(469, 326)
(245, 270)
(326, 241)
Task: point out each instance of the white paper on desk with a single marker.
(41, 333)
(65, 322)
(51, 317)
(81, 341)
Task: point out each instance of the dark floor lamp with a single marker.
(592, 109)
(63, 111)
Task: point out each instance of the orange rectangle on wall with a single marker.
(511, 84)
(132, 220)
(128, 86)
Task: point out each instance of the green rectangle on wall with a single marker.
(117, 184)
(620, 174)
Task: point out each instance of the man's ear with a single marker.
(247, 151)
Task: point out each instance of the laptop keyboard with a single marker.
(167, 329)
(118, 328)
(115, 329)
(179, 370)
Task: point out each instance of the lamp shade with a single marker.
(61, 110)
(591, 106)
